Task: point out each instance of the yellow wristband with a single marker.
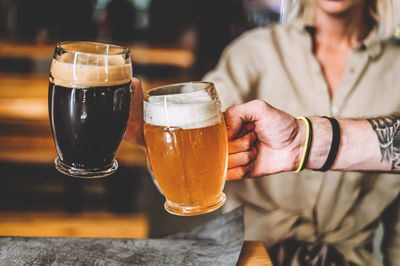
(305, 144)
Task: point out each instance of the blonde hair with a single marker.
(381, 13)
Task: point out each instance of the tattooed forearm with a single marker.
(388, 131)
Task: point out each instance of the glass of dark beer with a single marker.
(89, 103)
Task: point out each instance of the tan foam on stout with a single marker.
(93, 48)
(90, 70)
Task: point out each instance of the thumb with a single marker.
(134, 132)
(239, 121)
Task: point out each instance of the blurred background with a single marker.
(170, 41)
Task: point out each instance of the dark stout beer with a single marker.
(89, 103)
(88, 123)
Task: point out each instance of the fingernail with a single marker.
(248, 174)
(251, 167)
(250, 126)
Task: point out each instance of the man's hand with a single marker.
(262, 140)
(134, 131)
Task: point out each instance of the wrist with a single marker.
(359, 147)
(321, 144)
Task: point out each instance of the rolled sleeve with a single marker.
(236, 73)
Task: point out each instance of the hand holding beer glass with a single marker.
(187, 146)
(89, 103)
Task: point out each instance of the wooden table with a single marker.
(101, 225)
(254, 253)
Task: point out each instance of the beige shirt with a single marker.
(277, 64)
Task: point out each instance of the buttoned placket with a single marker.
(321, 93)
(320, 86)
(355, 67)
(357, 63)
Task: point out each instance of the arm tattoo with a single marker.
(388, 131)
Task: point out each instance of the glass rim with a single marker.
(61, 46)
(207, 83)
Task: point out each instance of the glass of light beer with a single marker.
(187, 146)
(89, 102)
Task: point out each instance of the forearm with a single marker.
(364, 144)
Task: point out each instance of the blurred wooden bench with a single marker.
(141, 53)
(61, 224)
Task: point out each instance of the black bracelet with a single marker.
(308, 145)
(334, 145)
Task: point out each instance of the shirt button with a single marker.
(351, 70)
(334, 110)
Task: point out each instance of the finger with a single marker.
(134, 131)
(239, 115)
(137, 95)
(234, 121)
(247, 127)
(242, 144)
(240, 172)
(241, 158)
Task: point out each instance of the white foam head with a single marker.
(84, 66)
(185, 110)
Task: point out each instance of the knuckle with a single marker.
(253, 154)
(230, 111)
(249, 140)
(246, 172)
(249, 157)
(243, 170)
(247, 144)
(253, 136)
(260, 103)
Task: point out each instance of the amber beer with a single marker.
(187, 146)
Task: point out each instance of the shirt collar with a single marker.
(372, 44)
